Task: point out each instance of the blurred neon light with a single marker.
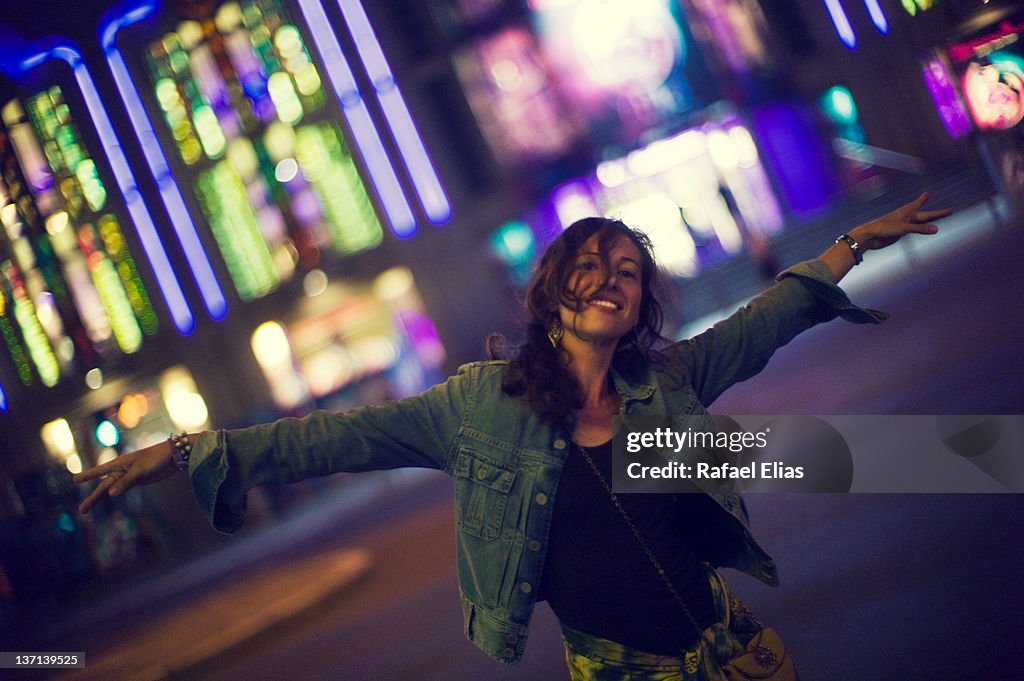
(792, 152)
(877, 16)
(410, 145)
(912, 6)
(738, 45)
(169, 285)
(838, 105)
(573, 201)
(841, 22)
(940, 85)
(382, 174)
(121, 16)
(3, 399)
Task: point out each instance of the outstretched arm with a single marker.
(882, 232)
(739, 347)
(417, 431)
(141, 467)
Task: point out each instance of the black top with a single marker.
(598, 579)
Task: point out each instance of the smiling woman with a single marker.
(594, 286)
(606, 287)
(632, 578)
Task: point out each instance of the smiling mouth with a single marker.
(605, 304)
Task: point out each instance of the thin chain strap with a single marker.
(640, 539)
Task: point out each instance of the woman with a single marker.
(528, 443)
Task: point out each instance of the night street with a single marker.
(874, 586)
(254, 253)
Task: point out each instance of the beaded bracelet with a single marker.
(181, 450)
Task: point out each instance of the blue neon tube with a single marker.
(119, 17)
(877, 16)
(410, 145)
(841, 22)
(26, 59)
(382, 174)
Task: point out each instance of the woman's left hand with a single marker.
(890, 228)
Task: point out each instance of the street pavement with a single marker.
(876, 587)
(202, 626)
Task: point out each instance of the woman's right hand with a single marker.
(141, 467)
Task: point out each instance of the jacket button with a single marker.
(481, 473)
(541, 498)
(512, 639)
(508, 652)
(533, 545)
(559, 443)
(525, 587)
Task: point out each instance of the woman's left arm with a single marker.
(880, 233)
(740, 346)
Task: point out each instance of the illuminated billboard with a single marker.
(628, 65)
(990, 69)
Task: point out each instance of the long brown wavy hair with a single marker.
(540, 371)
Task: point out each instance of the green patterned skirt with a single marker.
(591, 658)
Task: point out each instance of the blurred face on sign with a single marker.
(994, 94)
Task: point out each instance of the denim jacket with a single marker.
(506, 460)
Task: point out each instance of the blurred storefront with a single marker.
(658, 112)
(975, 74)
(203, 259)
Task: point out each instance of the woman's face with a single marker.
(609, 307)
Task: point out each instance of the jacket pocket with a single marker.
(482, 485)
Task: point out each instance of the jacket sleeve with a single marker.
(740, 346)
(417, 431)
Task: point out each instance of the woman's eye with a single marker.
(627, 274)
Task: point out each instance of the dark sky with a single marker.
(34, 19)
(76, 19)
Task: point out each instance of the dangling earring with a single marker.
(555, 332)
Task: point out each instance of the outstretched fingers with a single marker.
(141, 467)
(114, 476)
(908, 209)
(97, 494)
(128, 480)
(919, 221)
(98, 472)
(929, 215)
(912, 212)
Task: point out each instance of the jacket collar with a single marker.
(633, 379)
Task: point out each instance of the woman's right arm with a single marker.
(417, 431)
